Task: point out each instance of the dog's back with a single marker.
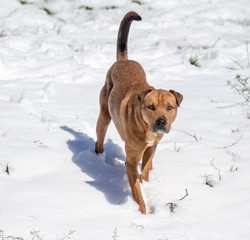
(125, 74)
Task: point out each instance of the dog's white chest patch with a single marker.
(150, 142)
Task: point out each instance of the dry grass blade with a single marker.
(192, 135)
(231, 144)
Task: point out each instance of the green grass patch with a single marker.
(87, 8)
(137, 2)
(23, 2)
(194, 61)
(47, 11)
(111, 7)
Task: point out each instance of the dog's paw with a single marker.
(142, 208)
(98, 149)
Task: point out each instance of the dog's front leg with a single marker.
(134, 181)
(147, 162)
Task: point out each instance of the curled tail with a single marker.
(122, 39)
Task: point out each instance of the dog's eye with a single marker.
(151, 107)
(170, 108)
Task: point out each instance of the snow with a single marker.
(52, 68)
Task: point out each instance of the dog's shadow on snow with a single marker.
(107, 170)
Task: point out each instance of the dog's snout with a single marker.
(160, 123)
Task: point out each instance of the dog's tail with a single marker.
(122, 39)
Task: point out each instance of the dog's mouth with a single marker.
(160, 126)
(155, 130)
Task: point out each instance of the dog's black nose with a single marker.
(160, 123)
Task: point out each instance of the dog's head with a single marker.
(159, 108)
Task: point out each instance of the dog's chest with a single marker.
(153, 138)
(150, 143)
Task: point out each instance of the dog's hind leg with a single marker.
(103, 121)
(101, 129)
(147, 162)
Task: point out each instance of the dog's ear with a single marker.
(142, 94)
(178, 97)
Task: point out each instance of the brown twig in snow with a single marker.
(192, 135)
(232, 143)
(185, 195)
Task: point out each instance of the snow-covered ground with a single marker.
(52, 67)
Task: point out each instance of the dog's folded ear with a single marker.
(142, 94)
(178, 97)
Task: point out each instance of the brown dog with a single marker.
(140, 113)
